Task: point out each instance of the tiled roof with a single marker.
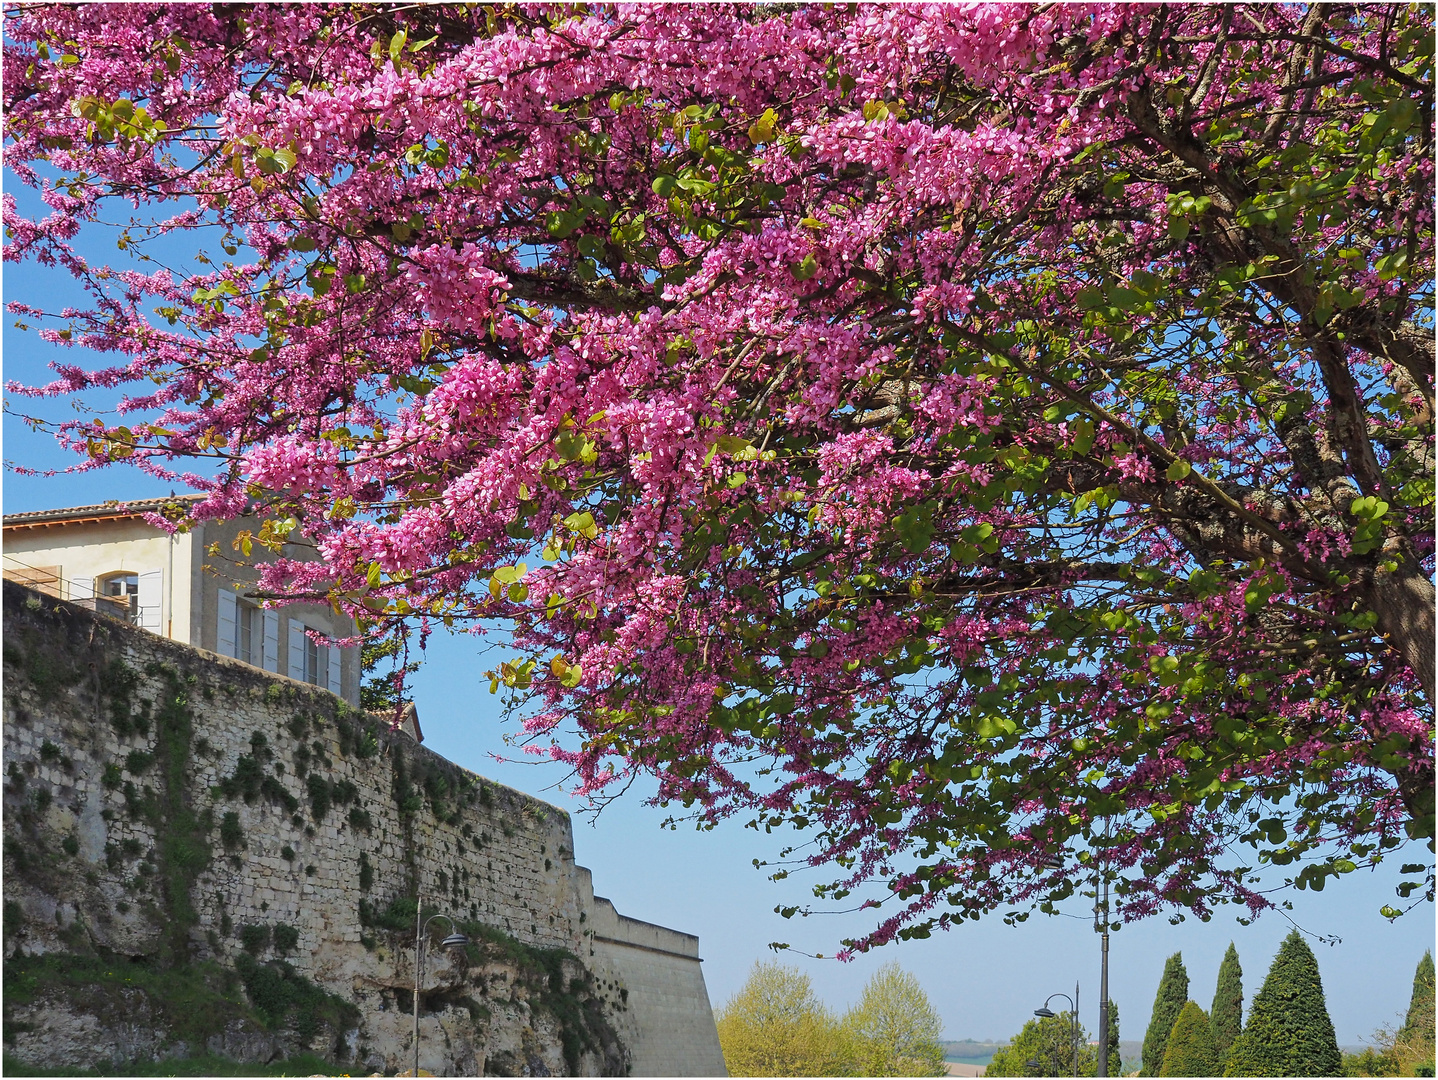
(107, 511)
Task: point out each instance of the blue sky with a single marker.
(985, 978)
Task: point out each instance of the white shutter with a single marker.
(332, 669)
(225, 635)
(349, 689)
(297, 650)
(151, 588)
(272, 641)
(82, 589)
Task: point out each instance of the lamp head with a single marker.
(1044, 1012)
(454, 941)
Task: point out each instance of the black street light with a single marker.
(1100, 925)
(1100, 916)
(454, 940)
(1045, 1012)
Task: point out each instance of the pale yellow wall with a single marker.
(192, 576)
(88, 550)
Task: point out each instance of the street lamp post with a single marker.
(454, 939)
(1046, 1012)
(1101, 925)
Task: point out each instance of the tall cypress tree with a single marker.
(1115, 1055)
(1420, 1005)
(1190, 1045)
(1225, 1019)
(1289, 1031)
(1167, 1004)
(1414, 1044)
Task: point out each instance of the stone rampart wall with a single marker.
(163, 802)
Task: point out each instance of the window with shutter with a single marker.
(149, 611)
(225, 634)
(297, 650)
(272, 642)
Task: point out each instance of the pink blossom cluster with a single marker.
(853, 384)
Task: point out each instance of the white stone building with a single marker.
(192, 587)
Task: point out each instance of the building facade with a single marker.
(193, 587)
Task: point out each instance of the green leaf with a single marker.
(732, 444)
(805, 269)
(664, 185)
(396, 45)
(560, 225)
(1178, 469)
(762, 129)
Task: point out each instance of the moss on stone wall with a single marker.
(182, 832)
(194, 1002)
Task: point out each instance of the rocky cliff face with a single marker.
(202, 858)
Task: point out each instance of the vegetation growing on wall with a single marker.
(50, 671)
(553, 979)
(194, 1001)
(286, 999)
(182, 832)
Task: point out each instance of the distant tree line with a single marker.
(777, 1026)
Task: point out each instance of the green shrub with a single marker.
(1370, 1063)
(399, 915)
(254, 938)
(284, 998)
(320, 794)
(366, 873)
(1190, 1049)
(232, 835)
(286, 938)
(276, 792)
(246, 781)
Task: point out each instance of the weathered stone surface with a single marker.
(160, 799)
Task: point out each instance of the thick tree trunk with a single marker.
(1403, 600)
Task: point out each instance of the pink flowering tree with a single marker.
(969, 435)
